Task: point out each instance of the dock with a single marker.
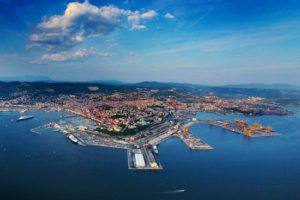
(192, 141)
(256, 134)
(37, 129)
(94, 140)
(160, 138)
(141, 157)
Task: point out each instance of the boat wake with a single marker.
(174, 191)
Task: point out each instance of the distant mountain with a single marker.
(164, 85)
(55, 88)
(154, 84)
(44, 89)
(265, 86)
(25, 78)
(110, 82)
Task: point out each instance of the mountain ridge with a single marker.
(152, 84)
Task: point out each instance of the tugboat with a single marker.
(25, 117)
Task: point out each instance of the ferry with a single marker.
(25, 117)
(73, 139)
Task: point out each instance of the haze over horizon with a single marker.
(211, 42)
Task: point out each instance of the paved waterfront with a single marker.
(192, 141)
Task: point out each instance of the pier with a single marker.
(141, 157)
(94, 140)
(238, 130)
(36, 129)
(192, 141)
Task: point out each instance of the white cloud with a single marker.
(81, 21)
(71, 55)
(149, 15)
(138, 26)
(136, 18)
(169, 16)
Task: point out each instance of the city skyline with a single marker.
(203, 42)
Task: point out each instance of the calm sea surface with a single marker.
(48, 166)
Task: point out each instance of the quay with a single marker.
(192, 141)
(239, 130)
(94, 140)
(86, 137)
(160, 138)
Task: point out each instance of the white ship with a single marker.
(25, 117)
(73, 139)
(155, 150)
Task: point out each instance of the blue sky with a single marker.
(196, 41)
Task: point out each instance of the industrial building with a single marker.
(139, 161)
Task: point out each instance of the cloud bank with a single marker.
(81, 21)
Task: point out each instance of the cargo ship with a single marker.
(25, 117)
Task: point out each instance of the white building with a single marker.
(139, 160)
